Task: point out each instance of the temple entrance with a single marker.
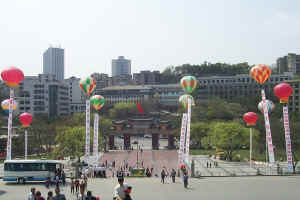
(141, 133)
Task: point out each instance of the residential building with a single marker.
(76, 96)
(147, 78)
(289, 63)
(43, 94)
(120, 66)
(53, 62)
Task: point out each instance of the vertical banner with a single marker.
(26, 142)
(182, 138)
(188, 132)
(250, 158)
(268, 128)
(288, 143)
(95, 145)
(9, 127)
(87, 132)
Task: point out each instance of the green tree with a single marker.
(199, 130)
(70, 142)
(229, 137)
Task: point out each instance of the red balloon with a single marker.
(250, 118)
(283, 91)
(25, 119)
(12, 76)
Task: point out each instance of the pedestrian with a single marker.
(48, 182)
(127, 193)
(173, 175)
(63, 177)
(38, 196)
(163, 175)
(185, 180)
(72, 185)
(82, 187)
(31, 195)
(57, 180)
(206, 164)
(210, 165)
(50, 195)
(77, 185)
(119, 191)
(89, 196)
(58, 196)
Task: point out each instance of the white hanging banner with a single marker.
(26, 142)
(268, 128)
(188, 132)
(95, 144)
(9, 127)
(288, 143)
(87, 132)
(182, 139)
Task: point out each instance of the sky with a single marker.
(154, 34)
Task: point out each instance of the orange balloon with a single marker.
(260, 73)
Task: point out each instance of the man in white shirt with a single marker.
(31, 196)
(119, 191)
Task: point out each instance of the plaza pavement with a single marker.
(246, 188)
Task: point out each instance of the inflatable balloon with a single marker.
(188, 83)
(250, 118)
(87, 85)
(97, 101)
(260, 73)
(283, 91)
(12, 76)
(184, 100)
(270, 106)
(5, 105)
(25, 119)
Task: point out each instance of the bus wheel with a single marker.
(21, 180)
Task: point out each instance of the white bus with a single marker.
(23, 171)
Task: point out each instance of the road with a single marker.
(246, 188)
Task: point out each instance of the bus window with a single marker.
(51, 167)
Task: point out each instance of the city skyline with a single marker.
(153, 35)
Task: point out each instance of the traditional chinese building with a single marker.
(141, 127)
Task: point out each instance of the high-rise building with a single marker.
(43, 94)
(53, 62)
(76, 96)
(120, 66)
(289, 63)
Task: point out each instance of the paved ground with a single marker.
(273, 188)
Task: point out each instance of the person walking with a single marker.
(31, 195)
(38, 196)
(173, 175)
(89, 196)
(163, 175)
(185, 180)
(77, 185)
(58, 196)
(50, 195)
(63, 177)
(210, 165)
(72, 185)
(119, 191)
